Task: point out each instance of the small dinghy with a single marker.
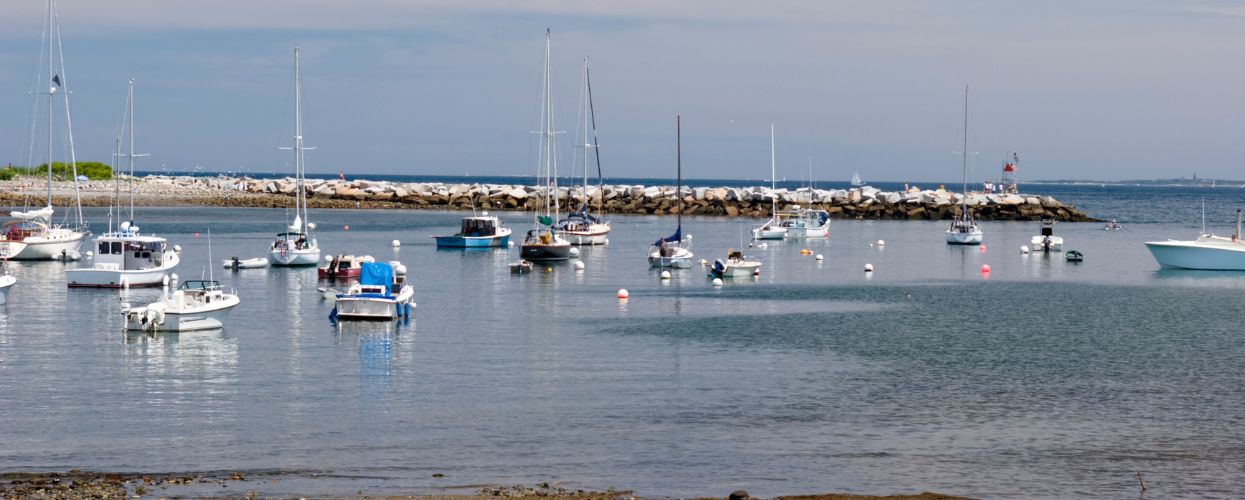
(1073, 256)
(6, 282)
(735, 266)
(342, 266)
(236, 263)
(521, 267)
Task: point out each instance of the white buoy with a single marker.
(717, 281)
(819, 257)
(579, 265)
(166, 281)
(665, 275)
(607, 241)
(688, 237)
(1024, 249)
(574, 252)
(623, 293)
(764, 245)
(312, 225)
(328, 258)
(400, 270)
(396, 243)
(177, 248)
(881, 243)
(90, 254)
(868, 268)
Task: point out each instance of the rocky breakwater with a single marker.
(857, 203)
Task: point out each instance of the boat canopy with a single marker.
(582, 214)
(371, 273)
(42, 214)
(479, 226)
(677, 236)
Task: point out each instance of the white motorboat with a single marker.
(296, 246)
(1207, 252)
(380, 294)
(236, 263)
(6, 282)
(125, 258)
(195, 305)
(674, 251)
(1046, 241)
(43, 239)
(736, 265)
(773, 229)
(964, 229)
(581, 227)
(806, 223)
(543, 243)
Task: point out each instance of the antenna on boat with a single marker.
(1204, 215)
(129, 107)
(211, 276)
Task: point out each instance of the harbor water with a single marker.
(1039, 379)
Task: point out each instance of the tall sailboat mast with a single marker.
(964, 157)
(548, 165)
(131, 155)
(678, 190)
(773, 183)
(596, 145)
(298, 143)
(587, 145)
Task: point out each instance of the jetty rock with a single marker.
(865, 202)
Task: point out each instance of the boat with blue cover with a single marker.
(482, 231)
(380, 294)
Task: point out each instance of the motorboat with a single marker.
(674, 251)
(1073, 256)
(543, 243)
(381, 293)
(237, 263)
(195, 305)
(342, 266)
(1207, 252)
(805, 223)
(126, 259)
(482, 231)
(581, 227)
(964, 229)
(1046, 241)
(6, 282)
(773, 229)
(1112, 226)
(736, 265)
(296, 246)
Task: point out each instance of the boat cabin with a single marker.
(20, 230)
(734, 254)
(290, 241)
(479, 226)
(122, 251)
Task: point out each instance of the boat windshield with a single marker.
(199, 285)
(479, 227)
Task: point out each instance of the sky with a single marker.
(1109, 89)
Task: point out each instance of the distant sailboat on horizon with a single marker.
(856, 182)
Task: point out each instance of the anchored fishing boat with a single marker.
(296, 246)
(736, 265)
(483, 231)
(126, 258)
(581, 227)
(1046, 241)
(674, 251)
(195, 305)
(806, 223)
(342, 266)
(380, 294)
(543, 243)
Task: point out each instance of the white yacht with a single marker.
(125, 258)
(1207, 252)
(964, 229)
(195, 305)
(44, 240)
(674, 251)
(736, 265)
(773, 229)
(297, 246)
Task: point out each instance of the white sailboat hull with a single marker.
(598, 234)
(292, 258)
(1202, 255)
(6, 284)
(59, 243)
(680, 258)
(972, 237)
(772, 233)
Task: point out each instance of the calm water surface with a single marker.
(1040, 379)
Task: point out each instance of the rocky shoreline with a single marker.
(857, 203)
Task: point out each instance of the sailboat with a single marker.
(296, 246)
(674, 251)
(125, 258)
(773, 229)
(580, 227)
(543, 242)
(964, 230)
(856, 182)
(42, 239)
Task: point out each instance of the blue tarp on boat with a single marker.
(372, 273)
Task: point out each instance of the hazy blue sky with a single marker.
(1081, 89)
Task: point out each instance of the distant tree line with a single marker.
(93, 170)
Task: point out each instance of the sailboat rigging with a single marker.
(296, 245)
(580, 227)
(964, 229)
(674, 251)
(543, 242)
